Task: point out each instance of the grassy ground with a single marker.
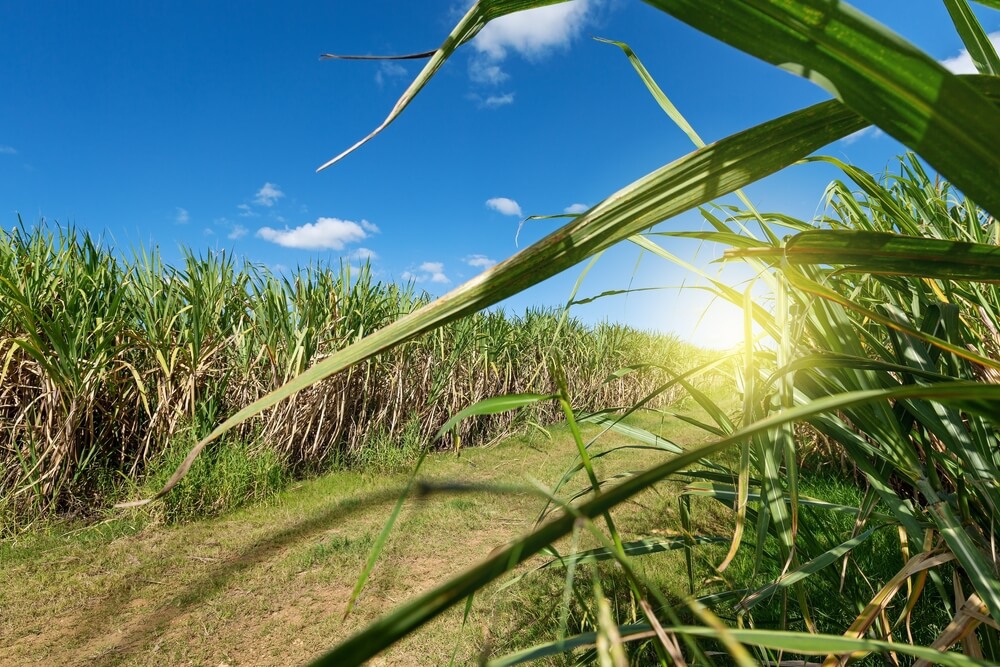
(268, 585)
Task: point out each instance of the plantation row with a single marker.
(107, 360)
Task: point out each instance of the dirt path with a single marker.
(268, 585)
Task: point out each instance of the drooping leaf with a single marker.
(481, 13)
(683, 184)
(818, 644)
(648, 545)
(890, 82)
(798, 574)
(634, 432)
(885, 253)
(383, 536)
(492, 406)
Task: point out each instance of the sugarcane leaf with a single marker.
(647, 545)
(779, 640)
(479, 15)
(616, 292)
(976, 41)
(635, 432)
(806, 284)
(383, 536)
(818, 644)
(699, 177)
(890, 82)
(633, 632)
(492, 406)
(798, 574)
(886, 253)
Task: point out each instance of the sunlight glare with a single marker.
(719, 326)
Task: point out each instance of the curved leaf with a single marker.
(976, 41)
(885, 253)
(494, 405)
(478, 16)
(890, 82)
(699, 177)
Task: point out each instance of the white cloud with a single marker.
(870, 131)
(491, 101)
(436, 271)
(575, 208)
(962, 63)
(483, 69)
(504, 205)
(494, 101)
(232, 230)
(324, 234)
(7, 150)
(182, 217)
(428, 271)
(388, 69)
(247, 212)
(533, 32)
(363, 254)
(854, 136)
(480, 261)
(268, 194)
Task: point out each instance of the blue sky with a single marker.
(201, 124)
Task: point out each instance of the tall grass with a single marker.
(846, 319)
(108, 362)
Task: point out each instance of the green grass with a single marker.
(383, 453)
(267, 583)
(338, 546)
(877, 560)
(233, 474)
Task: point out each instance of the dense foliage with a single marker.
(106, 361)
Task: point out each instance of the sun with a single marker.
(718, 326)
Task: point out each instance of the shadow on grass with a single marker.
(211, 582)
(142, 630)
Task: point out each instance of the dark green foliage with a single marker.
(231, 475)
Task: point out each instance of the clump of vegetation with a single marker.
(385, 453)
(230, 476)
